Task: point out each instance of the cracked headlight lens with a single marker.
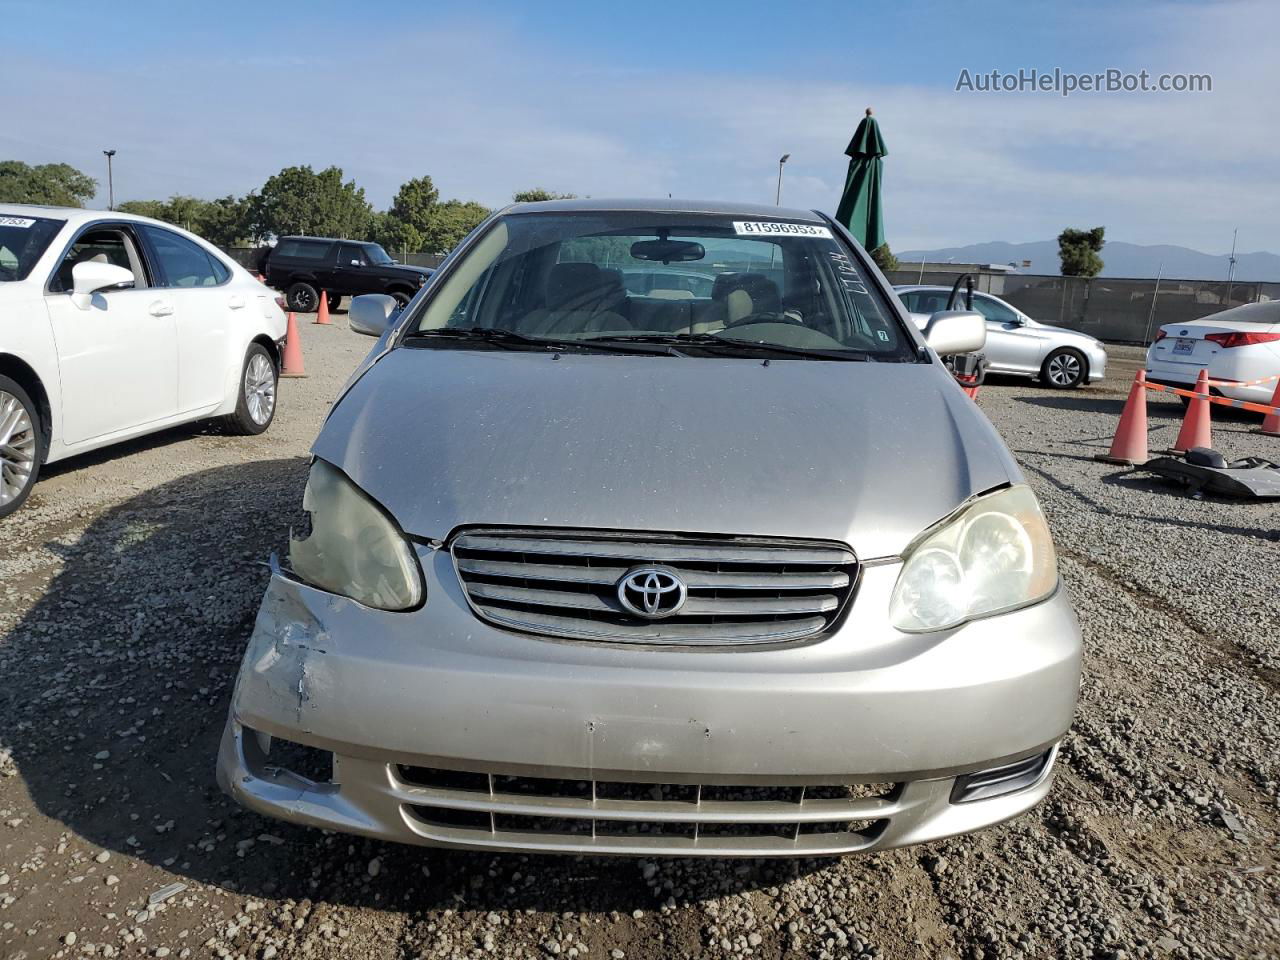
(354, 547)
(993, 555)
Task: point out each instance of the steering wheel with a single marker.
(766, 316)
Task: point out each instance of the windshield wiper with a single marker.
(513, 340)
(711, 341)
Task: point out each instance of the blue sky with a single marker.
(693, 99)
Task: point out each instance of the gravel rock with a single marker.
(129, 589)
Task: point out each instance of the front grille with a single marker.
(534, 812)
(564, 583)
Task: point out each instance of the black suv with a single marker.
(303, 266)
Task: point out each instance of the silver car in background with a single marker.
(1016, 344)
(731, 569)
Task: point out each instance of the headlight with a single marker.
(354, 547)
(993, 555)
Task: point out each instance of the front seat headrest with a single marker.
(576, 285)
(762, 291)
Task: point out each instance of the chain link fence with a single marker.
(1116, 310)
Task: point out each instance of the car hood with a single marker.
(866, 453)
(406, 268)
(1065, 332)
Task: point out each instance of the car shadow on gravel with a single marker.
(116, 686)
(1156, 410)
(152, 441)
(1108, 405)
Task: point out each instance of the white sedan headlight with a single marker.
(354, 548)
(994, 555)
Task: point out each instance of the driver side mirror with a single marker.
(955, 331)
(371, 313)
(93, 277)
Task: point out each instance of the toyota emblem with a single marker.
(652, 592)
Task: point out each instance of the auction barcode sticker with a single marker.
(23, 222)
(774, 228)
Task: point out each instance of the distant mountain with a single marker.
(1121, 259)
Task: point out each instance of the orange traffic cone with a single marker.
(1129, 446)
(1271, 422)
(1195, 425)
(292, 351)
(322, 314)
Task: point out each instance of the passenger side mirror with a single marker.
(371, 313)
(956, 331)
(92, 277)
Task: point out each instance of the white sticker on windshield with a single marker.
(16, 222)
(774, 228)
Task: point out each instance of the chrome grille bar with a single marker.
(737, 590)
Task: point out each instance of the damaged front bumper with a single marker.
(435, 728)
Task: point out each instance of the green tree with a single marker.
(884, 258)
(155, 209)
(223, 222)
(413, 209)
(538, 193)
(1078, 250)
(299, 200)
(450, 222)
(386, 230)
(57, 184)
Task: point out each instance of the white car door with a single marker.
(117, 357)
(203, 309)
(1012, 346)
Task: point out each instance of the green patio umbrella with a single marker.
(860, 209)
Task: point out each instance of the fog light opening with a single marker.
(274, 756)
(1003, 780)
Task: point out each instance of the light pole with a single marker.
(111, 187)
(777, 197)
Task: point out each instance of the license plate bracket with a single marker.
(1184, 346)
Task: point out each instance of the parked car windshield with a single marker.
(22, 241)
(668, 277)
(376, 254)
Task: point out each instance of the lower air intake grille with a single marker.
(655, 588)
(541, 812)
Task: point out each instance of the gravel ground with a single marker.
(130, 581)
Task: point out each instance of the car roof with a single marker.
(300, 236)
(615, 205)
(78, 215)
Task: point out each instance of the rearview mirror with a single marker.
(955, 331)
(93, 276)
(667, 251)
(371, 313)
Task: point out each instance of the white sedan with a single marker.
(113, 326)
(1241, 344)
(1016, 344)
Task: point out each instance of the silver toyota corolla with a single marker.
(1016, 344)
(718, 568)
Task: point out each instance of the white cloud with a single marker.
(485, 115)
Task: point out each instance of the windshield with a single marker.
(685, 279)
(376, 254)
(22, 241)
